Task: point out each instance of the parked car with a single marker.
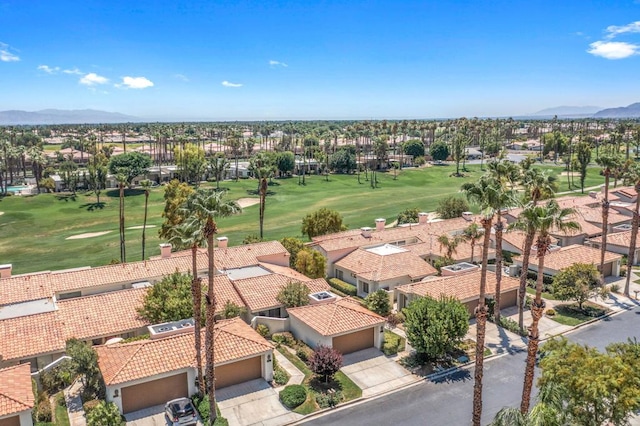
(181, 412)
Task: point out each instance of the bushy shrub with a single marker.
(511, 325)
(58, 378)
(90, 405)
(104, 414)
(344, 287)
(392, 344)
(615, 288)
(60, 401)
(284, 338)
(550, 312)
(43, 408)
(302, 354)
(262, 330)
(329, 399)
(280, 377)
(394, 319)
(379, 302)
(293, 395)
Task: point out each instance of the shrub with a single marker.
(60, 401)
(59, 377)
(394, 319)
(284, 338)
(104, 414)
(325, 362)
(346, 288)
(329, 399)
(550, 312)
(302, 354)
(392, 344)
(615, 288)
(293, 395)
(512, 326)
(90, 405)
(43, 408)
(378, 302)
(280, 377)
(262, 330)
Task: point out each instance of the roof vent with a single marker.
(380, 224)
(159, 331)
(366, 231)
(422, 218)
(322, 297)
(458, 268)
(467, 215)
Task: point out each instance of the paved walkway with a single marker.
(74, 404)
(296, 376)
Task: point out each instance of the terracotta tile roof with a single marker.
(567, 256)
(616, 238)
(517, 239)
(224, 291)
(250, 254)
(26, 337)
(120, 363)
(463, 251)
(586, 228)
(285, 270)
(102, 314)
(464, 287)
(594, 215)
(22, 288)
(339, 317)
(16, 394)
(375, 267)
(260, 293)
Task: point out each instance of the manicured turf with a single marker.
(34, 229)
(571, 315)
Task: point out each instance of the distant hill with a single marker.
(568, 111)
(630, 111)
(59, 116)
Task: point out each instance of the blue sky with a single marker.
(228, 60)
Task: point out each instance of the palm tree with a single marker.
(548, 410)
(190, 235)
(262, 173)
(541, 219)
(146, 184)
(472, 234)
(483, 193)
(538, 185)
(121, 177)
(205, 206)
(609, 163)
(633, 175)
(450, 244)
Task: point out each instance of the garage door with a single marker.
(10, 421)
(508, 299)
(354, 341)
(608, 269)
(155, 392)
(238, 372)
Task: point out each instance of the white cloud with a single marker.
(181, 77)
(614, 30)
(73, 71)
(277, 63)
(5, 55)
(613, 49)
(135, 82)
(92, 79)
(229, 84)
(48, 69)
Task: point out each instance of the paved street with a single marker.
(448, 401)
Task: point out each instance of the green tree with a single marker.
(131, 164)
(435, 327)
(408, 216)
(168, 300)
(322, 221)
(176, 194)
(311, 263)
(583, 155)
(97, 180)
(219, 165)
(105, 414)
(451, 207)
(293, 246)
(459, 144)
(578, 282)
(294, 294)
(450, 244)
(285, 162)
(232, 310)
(84, 363)
(609, 164)
(379, 302)
(472, 234)
(413, 147)
(439, 151)
(191, 162)
(122, 180)
(548, 410)
(343, 161)
(146, 186)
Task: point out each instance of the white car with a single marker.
(181, 412)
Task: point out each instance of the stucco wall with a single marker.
(276, 325)
(308, 335)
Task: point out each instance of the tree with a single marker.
(547, 411)
(379, 302)
(583, 155)
(176, 194)
(122, 180)
(439, 151)
(293, 246)
(262, 174)
(325, 362)
(97, 180)
(206, 206)
(633, 176)
(285, 162)
(578, 282)
(191, 162)
(322, 221)
(169, 300)
(219, 165)
(131, 164)
(472, 234)
(449, 244)
(311, 263)
(542, 219)
(294, 294)
(232, 310)
(459, 144)
(413, 147)
(609, 164)
(408, 216)
(435, 327)
(451, 207)
(104, 414)
(343, 161)
(146, 185)
(84, 363)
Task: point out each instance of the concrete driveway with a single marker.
(152, 416)
(253, 403)
(376, 373)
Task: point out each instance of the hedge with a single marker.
(293, 395)
(344, 287)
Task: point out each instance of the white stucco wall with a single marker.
(308, 335)
(25, 417)
(276, 325)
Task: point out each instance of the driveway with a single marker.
(152, 416)
(253, 403)
(376, 373)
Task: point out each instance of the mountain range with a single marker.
(60, 116)
(630, 111)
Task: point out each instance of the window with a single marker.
(365, 287)
(71, 295)
(339, 274)
(274, 313)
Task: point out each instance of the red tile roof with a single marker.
(29, 336)
(567, 256)
(375, 267)
(616, 238)
(16, 393)
(339, 317)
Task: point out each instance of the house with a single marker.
(463, 286)
(513, 241)
(560, 258)
(16, 396)
(342, 324)
(617, 242)
(146, 373)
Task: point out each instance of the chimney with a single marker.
(222, 242)
(366, 231)
(5, 271)
(165, 250)
(380, 224)
(422, 218)
(593, 194)
(467, 215)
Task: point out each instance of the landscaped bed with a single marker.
(465, 353)
(572, 315)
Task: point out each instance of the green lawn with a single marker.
(572, 316)
(545, 294)
(34, 229)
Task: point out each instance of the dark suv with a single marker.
(181, 412)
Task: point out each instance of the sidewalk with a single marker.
(296, 376)
(74, 404)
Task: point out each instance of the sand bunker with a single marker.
(141, 226)
(1, 213)
(87, 235)
(570, 174)
(246, 202)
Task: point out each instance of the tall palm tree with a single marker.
(472, 234)
(146, 185)
(484, 193)
(121, 177)
(633, 176)
(609, 163)
(548, 410)
(450, 244)
(542, 219)
(206, 206)
(189, 234)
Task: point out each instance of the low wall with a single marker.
(275, 325)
